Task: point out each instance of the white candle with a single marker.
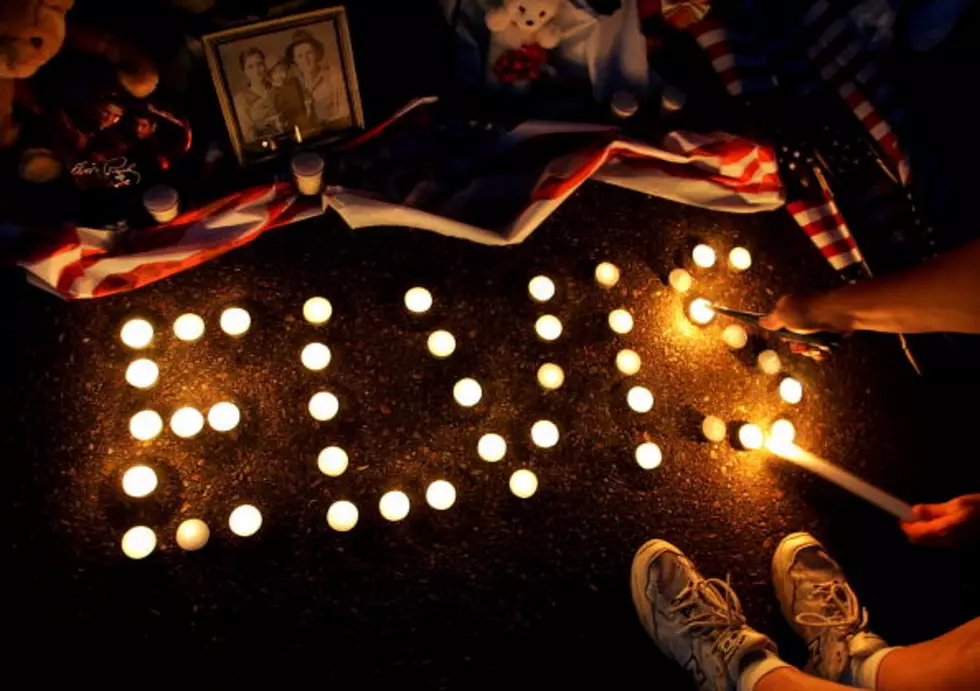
(734, 336)
(628, 362)
(146, 425)
(307, 172)
(394, 505)
(188, 327)
(680, 280)
(317, 310)
(648, 455)
(162, 202)
(548, 327)
(332, 461)
(193, 534)
(550, 376)
(782, 431)
(640, 399)
(418, 300)
(224, 416)
(700, 311)
(315, 356)
(137, 333)
(607, 274)
(704, 256)
(739, 259)
(139, 542)
(621, 321)
(142, 373)
(841, 478)
(523, 483)
(324, 406)
(139, 481)
(491, 447)
(245, 520)
(714, 428)
(541, 288)
(751, 436)
(791, 390)
(342, 516)
(544, 434)
(440, 495)
(186, 422)
(235, 321)
(467, 392)
(769, 362)
(441, 344)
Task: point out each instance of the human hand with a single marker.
(953, 524)
(802, 314)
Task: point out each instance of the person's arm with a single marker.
(942, 294)
(953, 524)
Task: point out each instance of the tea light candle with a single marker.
(467, 392)
(621, 321)
(186, 422)
(628, 362)
(307, 170)
(332, 461)
(751, 436)
(139, 542)
(188, 327)
(224, 416)
(541, 288)
(137, 333)
(791, 390)
(162, 202)
(142, 373)
(544, 434)
(700, 311)
(245, 520)
(523, 483)
(734, 336)
(315, 356)
(418, 300)
(394, 505)
(441, 344)
(548, 327)
(739, 259)
(640, 399)
(769, 362)
(648, 455)
(342, 516)
(607, 274)
(235, 321)
(317, 310)
(550, 376)
(139, 481)
(324, 406)
(782, 431)
(440, 495)
(146, 425)
(714, 428)
(193, 534)
(704, 256)
(680, 280)
(491, 447)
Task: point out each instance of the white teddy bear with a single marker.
(519, 23)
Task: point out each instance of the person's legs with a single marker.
(948, 663)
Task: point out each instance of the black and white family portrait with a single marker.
(286, 78)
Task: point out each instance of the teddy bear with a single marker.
(521, 34)
(31, 34)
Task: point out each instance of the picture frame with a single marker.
(288, 79)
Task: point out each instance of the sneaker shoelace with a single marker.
(707, 614)
(838, 607)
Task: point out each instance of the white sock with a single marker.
(751, 675)
(864, 675)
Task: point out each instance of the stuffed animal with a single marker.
(519, 23)
(31, 33)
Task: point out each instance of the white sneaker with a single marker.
(695, 621)
(820, 605)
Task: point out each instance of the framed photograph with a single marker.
(285, 79)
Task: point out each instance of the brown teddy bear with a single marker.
(31, 33)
